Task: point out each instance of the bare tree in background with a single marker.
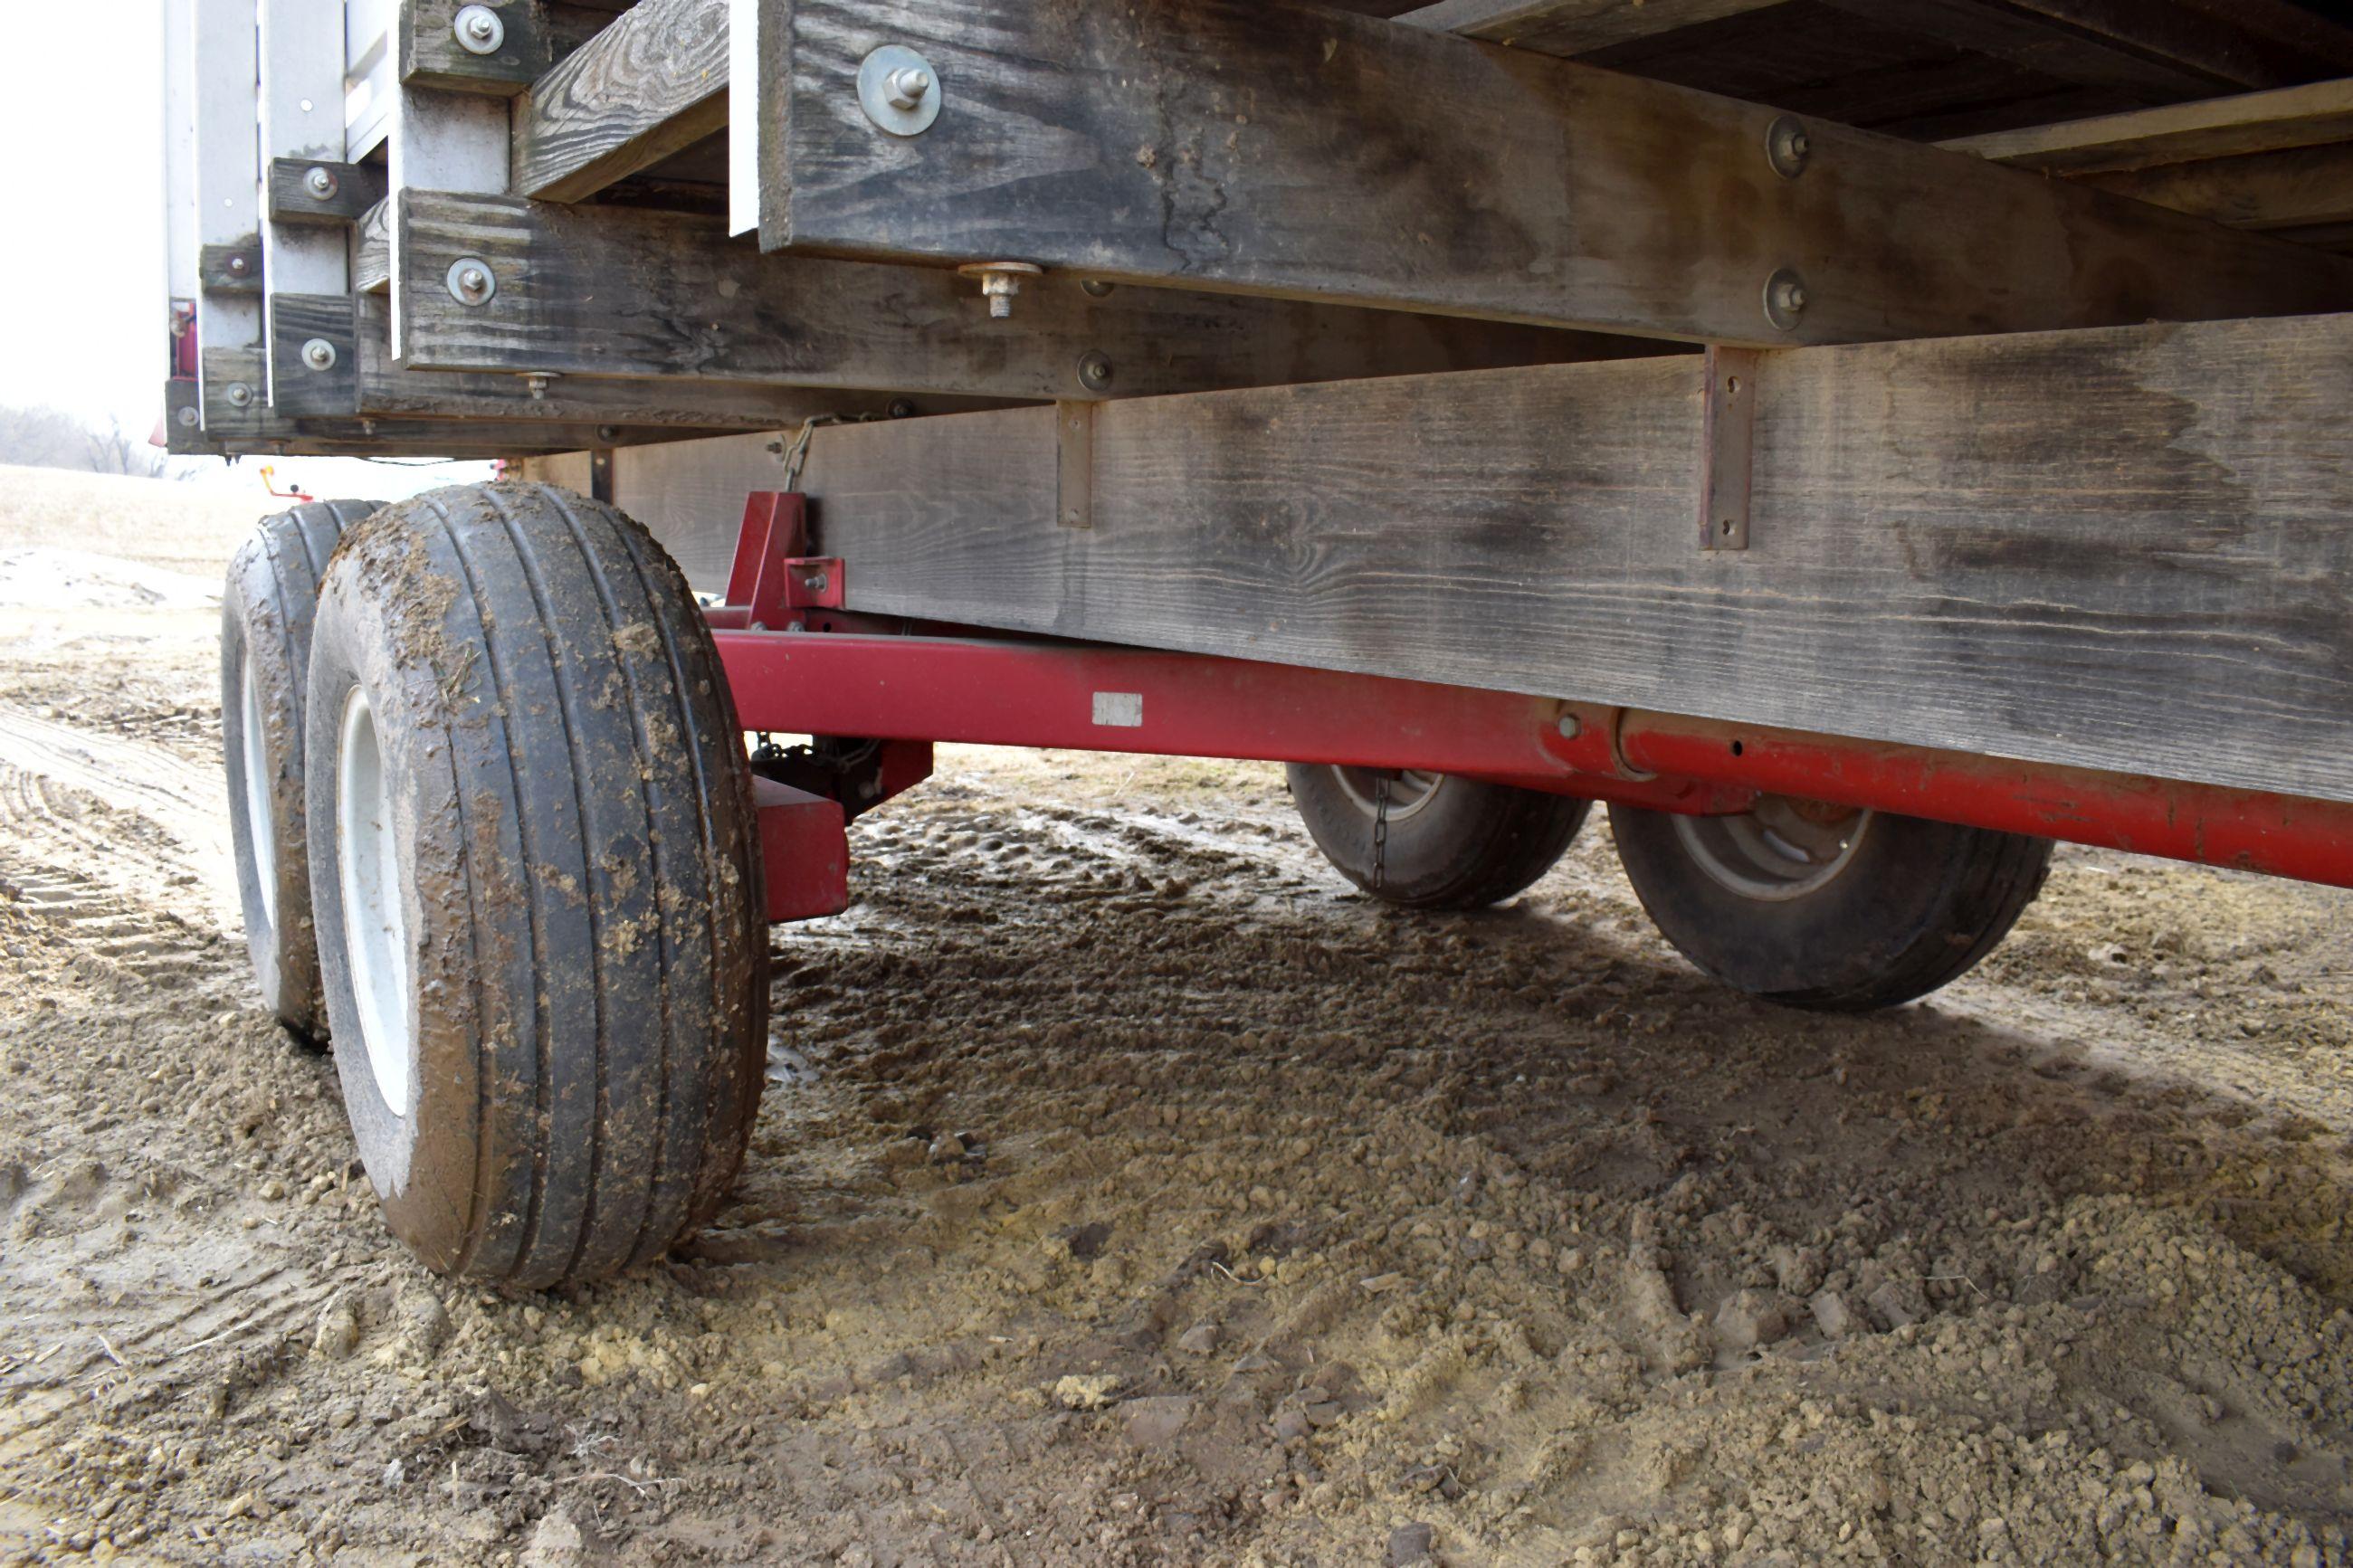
(53, 438)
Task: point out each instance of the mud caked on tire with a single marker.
(266, 610)
(1447, 843)
(1825, 908)
(534, 865)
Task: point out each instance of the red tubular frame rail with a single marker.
(831, 672)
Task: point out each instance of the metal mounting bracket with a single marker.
(1728, 449)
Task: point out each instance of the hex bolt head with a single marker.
(1788, 146)
(189, 418)
(1571, 727)
(318, 354)
(471, 281)
(239, 267)
(322, 184)
(1095, 372)
(1000, 282)
(819, 583)
(908, 87)
(239, 396)
(480, 31)
(1786, 299)
(900, 91)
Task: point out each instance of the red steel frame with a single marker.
(824, 672)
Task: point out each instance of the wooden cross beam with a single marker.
(1260, 147)
(2126, 548)
(601, 291)
(652, 84)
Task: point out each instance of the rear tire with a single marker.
(266, 607)
(1452, 843)
(1834, 913)
(535, 862)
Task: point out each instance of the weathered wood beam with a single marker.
(385, 389)
(1269, 148)
(372, 250)
(2046, 547)
(313, 355)
(320, 191)
(652, 84)
(1567, 28)
(243, 422)
(615, 292)
(517, 53)
(2313, 115)
(2298, 188)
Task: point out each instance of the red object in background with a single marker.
(855, 676)
(269, 483)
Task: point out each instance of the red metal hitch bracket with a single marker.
(774, 574)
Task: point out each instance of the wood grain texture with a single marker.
(2129, 549)
(372, 250)
(2295, 188)
(1259, 147)
(232, 269)
(683, 408)
(358, 187)
(610, 291)
(431, 55)
(296, 388)
(652, 84)
(258, 429)
(2312, 115)
(1569, 27)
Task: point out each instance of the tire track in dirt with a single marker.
(134, 777)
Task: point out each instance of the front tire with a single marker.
(1825, 908)
(266, 607)
(535, 874)
(1449, 843)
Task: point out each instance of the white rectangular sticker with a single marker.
(1119, 710)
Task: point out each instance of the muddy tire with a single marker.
(534, 865)
(266, 610)
(1837, 912)
(1452, 843)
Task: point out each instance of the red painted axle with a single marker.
(1007, 692)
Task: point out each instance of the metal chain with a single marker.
(1381, 833)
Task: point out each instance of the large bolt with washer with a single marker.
(322, 184)
(239, 396)
(908, 87)
(480, 31)
(471, 281)
(318, 354)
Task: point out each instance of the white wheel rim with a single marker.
(257, 824)
(375, 927)
(1410, 793)
(1784, 849)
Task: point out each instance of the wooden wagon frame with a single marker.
(1940, 402)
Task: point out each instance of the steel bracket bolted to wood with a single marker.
(1729, 449)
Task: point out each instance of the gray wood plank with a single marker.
(2129, 548)
(1260, 147)
(611, 291)
(431, 57)
(355, 188)
(652, 84)
(1568, 28)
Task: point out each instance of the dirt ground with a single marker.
(1129, 1191)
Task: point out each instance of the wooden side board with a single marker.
(2129, 548)
(616, 292)
(1254, 146)
(652, 84)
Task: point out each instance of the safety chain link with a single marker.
(1381, 833)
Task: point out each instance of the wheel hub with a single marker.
(1783, 850)
(1412, 791)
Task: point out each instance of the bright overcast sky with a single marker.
(83, 322)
